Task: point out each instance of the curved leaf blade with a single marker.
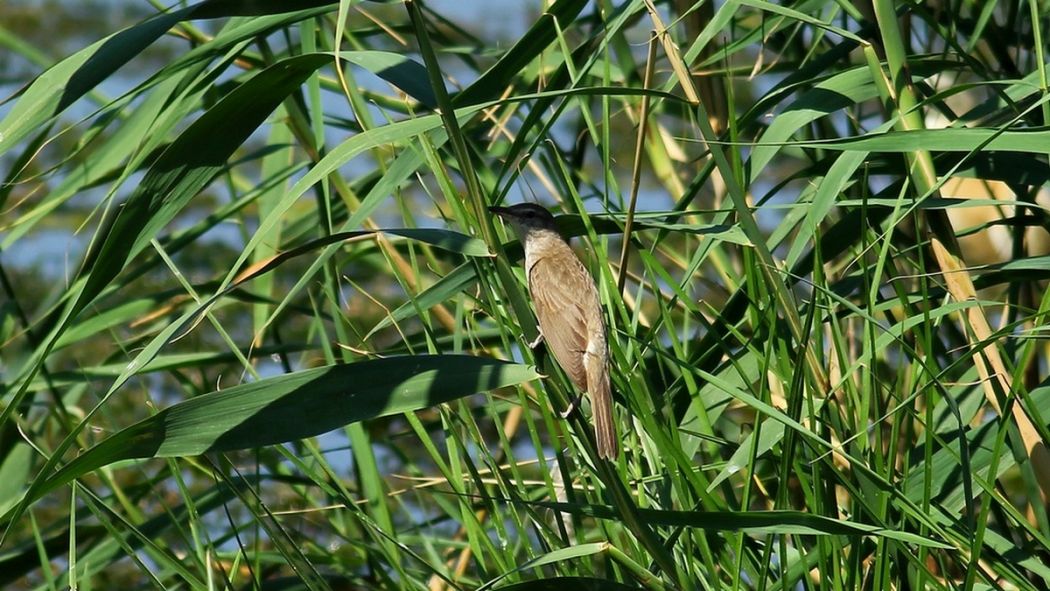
(61, 85)
(189, 164)
(295, 406)
(403, 72)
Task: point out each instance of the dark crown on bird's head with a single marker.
(525, 213)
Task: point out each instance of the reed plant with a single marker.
(260, 332)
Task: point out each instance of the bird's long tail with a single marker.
(604, 425)
(602, 406)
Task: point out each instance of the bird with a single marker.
(569, 312)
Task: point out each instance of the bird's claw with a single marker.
(573, 405)
(536, 341)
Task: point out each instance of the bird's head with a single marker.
(526, 218)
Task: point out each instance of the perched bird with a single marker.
(569, 313)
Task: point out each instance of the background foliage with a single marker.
(259, 332)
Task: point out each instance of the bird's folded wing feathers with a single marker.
(559, 309)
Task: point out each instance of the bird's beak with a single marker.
(500, 211)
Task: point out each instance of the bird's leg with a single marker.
(573, 405)
(536, 342)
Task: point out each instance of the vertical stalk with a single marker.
(636, 171)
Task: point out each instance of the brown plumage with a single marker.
(569, 312)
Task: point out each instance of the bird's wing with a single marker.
(560, 308)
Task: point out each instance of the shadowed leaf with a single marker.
(295, 406)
